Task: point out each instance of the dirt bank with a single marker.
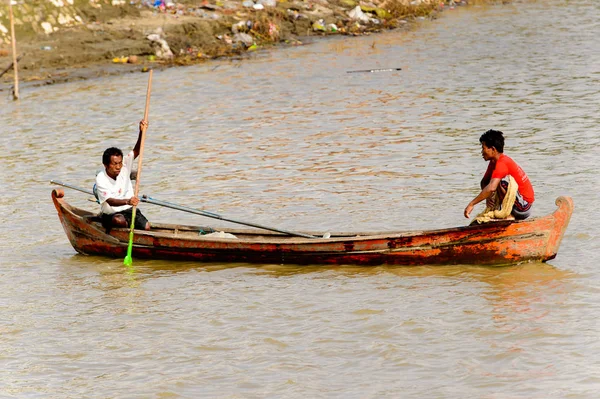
(99, 37)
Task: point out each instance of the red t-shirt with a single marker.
(506, 166)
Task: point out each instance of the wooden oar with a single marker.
(150, 200)
(128, 261)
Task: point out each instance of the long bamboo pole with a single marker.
(128, 261)
(200, 212)
(14, 51)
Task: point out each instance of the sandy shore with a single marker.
(144, 34)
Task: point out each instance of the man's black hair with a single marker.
(109, 152)
(493, 138)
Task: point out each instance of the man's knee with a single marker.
(119, 220)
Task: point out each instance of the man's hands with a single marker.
(133, 201)
(143, 125)
(468, 210)
(489, 203)
(487, 193)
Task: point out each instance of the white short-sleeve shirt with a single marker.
(121, 188)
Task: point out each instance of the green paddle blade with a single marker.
(128, 261)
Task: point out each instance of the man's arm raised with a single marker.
(136, 148)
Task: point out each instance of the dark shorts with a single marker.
(521, 208)
(140, 219)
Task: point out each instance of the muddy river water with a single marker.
(290, 139)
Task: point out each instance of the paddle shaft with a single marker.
(142, 139)
(128, 260)
(153, 201)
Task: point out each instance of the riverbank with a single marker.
(60, 42)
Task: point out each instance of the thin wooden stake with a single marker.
(14, 51)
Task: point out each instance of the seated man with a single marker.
(114, 190)
(500, 167)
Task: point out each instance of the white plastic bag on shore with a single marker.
(358, 15)
(159, 45)
(267, 3)
(244, 38)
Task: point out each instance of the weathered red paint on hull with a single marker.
(506, 242)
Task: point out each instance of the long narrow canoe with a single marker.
(497, 243)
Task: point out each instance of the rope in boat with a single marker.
(500, 211)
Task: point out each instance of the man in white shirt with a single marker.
(114, 189)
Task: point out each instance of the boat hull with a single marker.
(498, 243)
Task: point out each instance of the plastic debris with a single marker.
(219, 234)
(160, 45)
(358, 15)
(239, 27)
(244, 38)
(318, 26)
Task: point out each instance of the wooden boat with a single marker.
(497, 243)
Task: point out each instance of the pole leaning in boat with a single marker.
(213, 215)
(151, 200)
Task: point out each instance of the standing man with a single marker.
(500, 167)
(114, 190)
